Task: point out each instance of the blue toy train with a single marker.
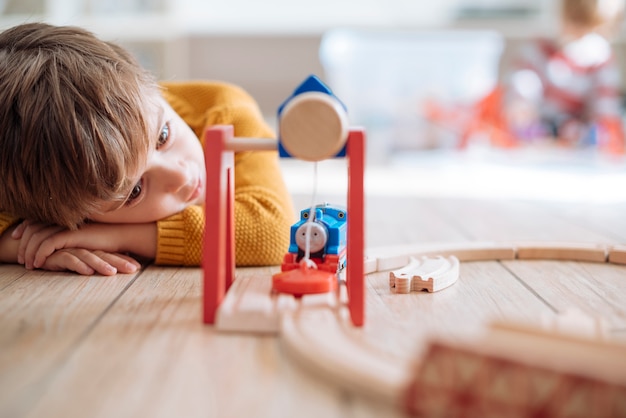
(326, 237)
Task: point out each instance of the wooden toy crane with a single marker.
(313, 126)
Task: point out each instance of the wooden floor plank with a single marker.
(70, 344)
(43, 316)
(403, 220)
(152, 345)
(505, 220)
(606, 218)
(10, 273)
(595, 288)
(400, 324)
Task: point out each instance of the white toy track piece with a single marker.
(391, 258)
(425, 273)
(250, 306)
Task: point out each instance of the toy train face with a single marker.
(325, 236)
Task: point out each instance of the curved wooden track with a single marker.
(323, 340)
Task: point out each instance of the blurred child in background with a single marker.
(568, 88)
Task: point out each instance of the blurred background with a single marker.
(389, 61)
(269, 46)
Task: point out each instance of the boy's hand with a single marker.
(78, 260)
(88, 262)
(40, 241)
(30, 236)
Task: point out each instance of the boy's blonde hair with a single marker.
(603, 15)
(73, 122)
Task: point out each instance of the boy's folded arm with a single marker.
(138, 239)
(81, 261)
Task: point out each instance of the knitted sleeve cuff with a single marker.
(179, 240)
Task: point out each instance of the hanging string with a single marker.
(307, 247)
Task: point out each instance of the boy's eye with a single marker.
(135, 193)
(164, 135)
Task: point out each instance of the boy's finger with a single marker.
(80, 267)
(22, 233)
(27, 241)
(42, 245)
(67, 260)
(19, 230)
(94, 262)
(124, 264)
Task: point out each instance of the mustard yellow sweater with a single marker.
(263, 208)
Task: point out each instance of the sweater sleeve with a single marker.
(179, 240)
(6, 221)
(263, 207)
(261, 231)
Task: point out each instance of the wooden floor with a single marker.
(134, 345)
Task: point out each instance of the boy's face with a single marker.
(174, 176)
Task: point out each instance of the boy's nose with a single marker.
(174, 176)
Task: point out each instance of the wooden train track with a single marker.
(317, 333)
(511, 369)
